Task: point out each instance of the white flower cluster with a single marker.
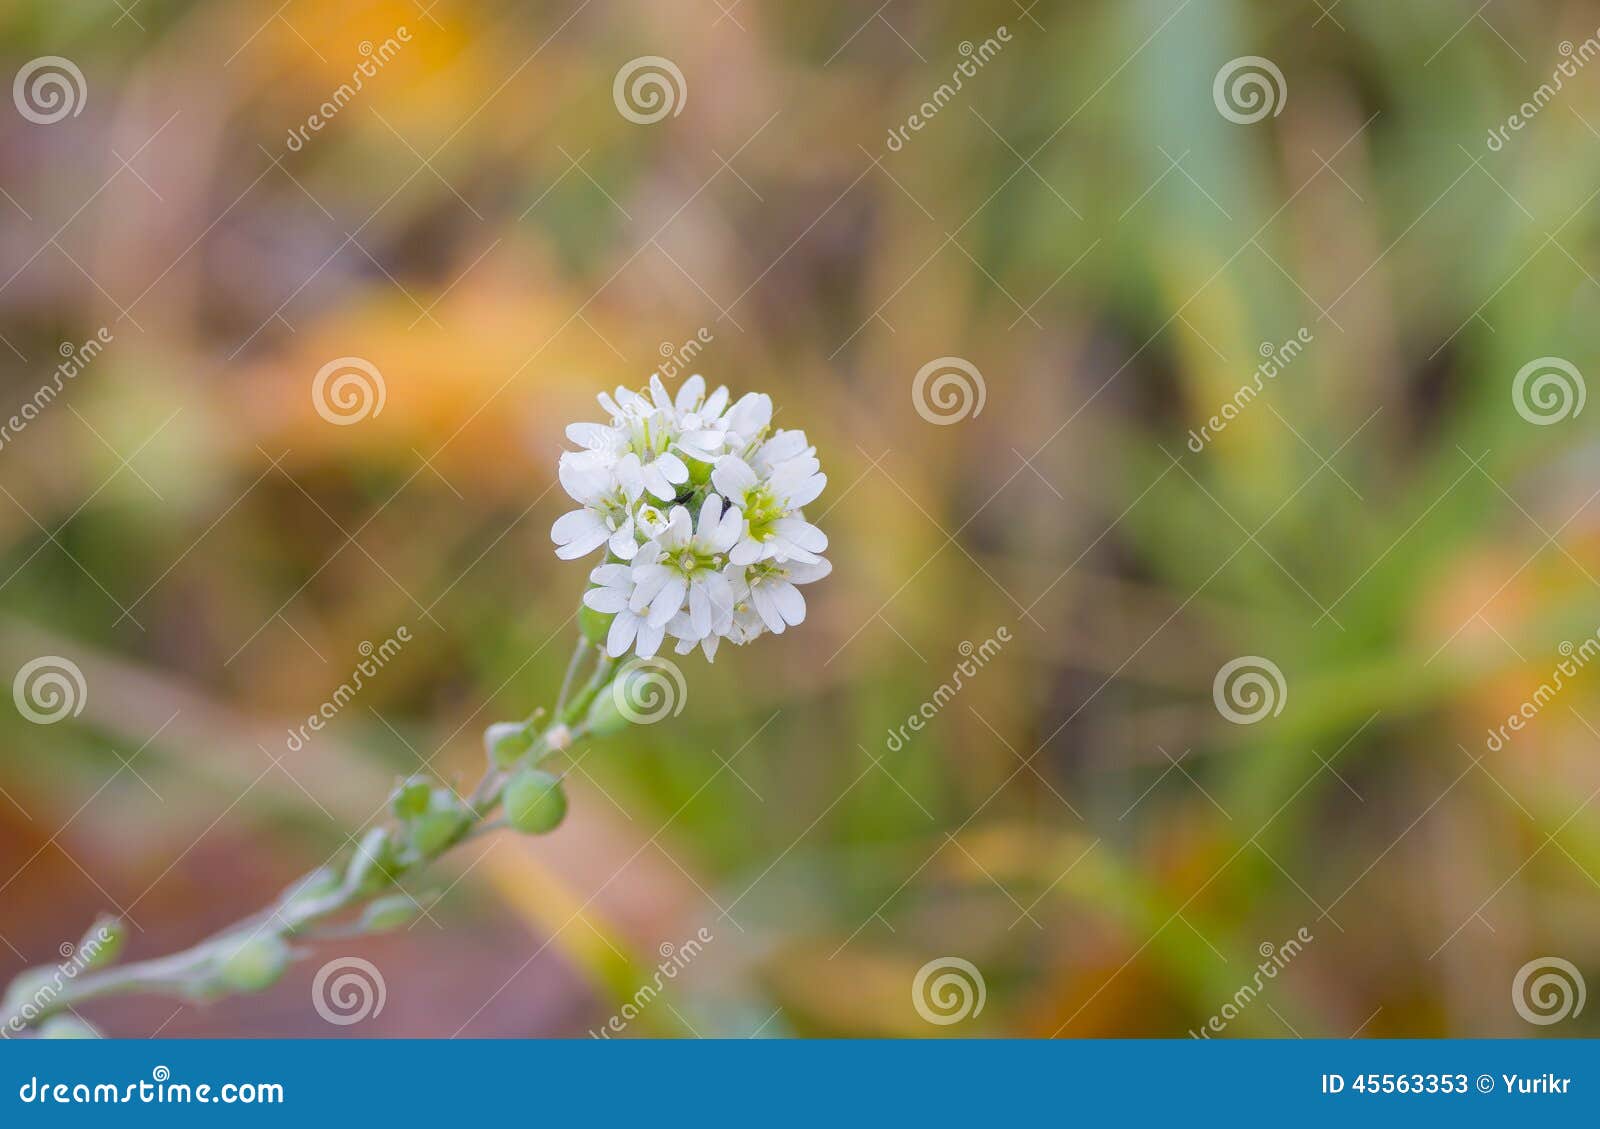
(699, 505)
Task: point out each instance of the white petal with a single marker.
(728, 530)
(699, 609)
(593, 436)
(790, 604)
(679, 528)
(807, 492)
(584, 476)
(620, 637)
(656, 482)
(802, 572)
(752, 413)
(673, 467)
(658, 393)
(649, 640)
(648, 580)
(667, 601)
(613, 575)
(710, 515)
(628, 476)
(608, 600)
(783, 446)
(623, 544)
(801, 533)
(690, 393)
(767, 609)
(580, 537)
(733, 476)
(719, 596)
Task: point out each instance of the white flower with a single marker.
(683, 568)
(662, 432)
(615, 589)
(702, 428)
(747, 421)
(773, 592)
(608, 492)
(699, 505)
(772, 499)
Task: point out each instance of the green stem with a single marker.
(194, 973)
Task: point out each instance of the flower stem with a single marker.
(381, 859)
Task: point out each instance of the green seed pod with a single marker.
(535, 802)
(67, 1027)
(388, 913)
(253, 964)
(594, 625)
(505, 742)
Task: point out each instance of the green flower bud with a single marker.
(374, 865)
(67, 1027)
(253, 964)
(604, 718)
(102, 943)
(388, 913)
(411, 798)
(324, 880)
(505, 742)
(535, 802)
(445, 821)
(594, 625)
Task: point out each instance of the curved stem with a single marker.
(573, 663)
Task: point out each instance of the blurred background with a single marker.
(1108, 235)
